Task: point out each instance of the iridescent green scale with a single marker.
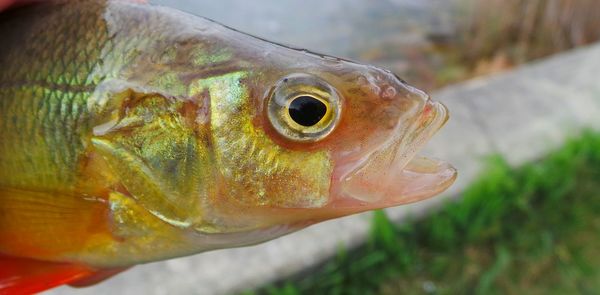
(44, 89)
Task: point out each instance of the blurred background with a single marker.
(530, 226)
(431, 43)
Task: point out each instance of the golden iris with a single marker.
(304, 108)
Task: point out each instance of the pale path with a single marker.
(521, 114)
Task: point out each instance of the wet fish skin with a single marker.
(134, 133)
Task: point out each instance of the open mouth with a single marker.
(393, 174)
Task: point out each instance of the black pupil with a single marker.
(307, 111)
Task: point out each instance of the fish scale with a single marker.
(67, 88)
(133, 133)
(45, 73)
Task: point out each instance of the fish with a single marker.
(132, 133)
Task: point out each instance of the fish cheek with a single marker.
(158, 157)
(254, 173)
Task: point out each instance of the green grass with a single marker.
(531, 230)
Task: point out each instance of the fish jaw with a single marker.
(393, 174)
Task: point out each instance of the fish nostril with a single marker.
(389, 93)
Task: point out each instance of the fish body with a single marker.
(133, 133)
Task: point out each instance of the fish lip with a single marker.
(382, 178)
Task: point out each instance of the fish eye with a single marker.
(304, 108)
(307, 110)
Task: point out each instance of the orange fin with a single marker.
(43, 225)
(27, 276)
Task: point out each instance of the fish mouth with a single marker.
(393, 174)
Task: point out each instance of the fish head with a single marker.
(318, 138)
(244, 140)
